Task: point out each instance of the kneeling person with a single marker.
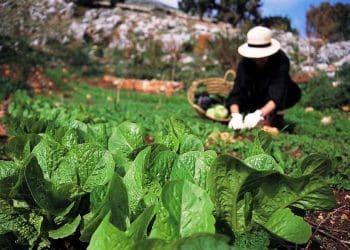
(263, 87)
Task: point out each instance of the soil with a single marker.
(143, 86)
(331, 230)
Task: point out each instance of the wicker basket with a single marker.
(220, 86)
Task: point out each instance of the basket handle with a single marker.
(230, 72)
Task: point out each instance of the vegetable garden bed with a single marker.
(138, 169)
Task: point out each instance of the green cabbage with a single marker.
(217, 111)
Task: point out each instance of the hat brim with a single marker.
(252, 52)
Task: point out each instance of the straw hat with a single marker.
(259, 43)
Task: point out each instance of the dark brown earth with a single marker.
(331, 230)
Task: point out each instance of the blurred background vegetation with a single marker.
(327, 21)
(211, 57)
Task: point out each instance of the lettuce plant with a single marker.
(256, 191)
(119, 192)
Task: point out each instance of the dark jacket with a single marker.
(254, 86)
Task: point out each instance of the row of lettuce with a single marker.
(100, 181)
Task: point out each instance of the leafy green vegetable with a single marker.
(134, 178)
(186, 209)
(124, 139)
(256, 239)
(48, 153)
(25, 225)
(288, 226)
(65, 230)
(191, 143)
(173, 134)
(204, 241)
(108, 236)
(19, 147)
(194, 167)
(9, 171)
(86, 166)
(90, 162)
(263, 162)
(115, 202)
(225, 182)
(163, 163)
(43, 192)
(217, 111)
(230, 178)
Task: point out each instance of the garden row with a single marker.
(135, 173)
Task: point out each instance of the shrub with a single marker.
(8, 86)
(278, 22)
(321, 94)
(57, 75)
(329, 22)
(224, 49)
(20, 56)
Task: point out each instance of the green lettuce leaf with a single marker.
(186, 209)
(263, 162)
(225, 182)
(107, 236)
(278, 192)
(124, 139)
(9, 173)
(173, 134)
(134, 178)
(114, 201)
(20, 147)
(194, 167)
(86, 166)
(191, 143)
(66, 135)
(260, 145)
(202, 241)
(66, 230)
(163, 163)
(43, 192)
(49, 154)
(288, 226)
(230, 179)
(25, 225)
(316, 164)
(152, 244)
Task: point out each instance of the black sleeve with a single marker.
(237, 94)
(279, 81)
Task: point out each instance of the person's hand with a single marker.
(236, 121)
(252, 119)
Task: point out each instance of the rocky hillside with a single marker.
(126, 26)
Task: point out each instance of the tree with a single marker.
(15, 18)
(197, 7)
(329, 22)
(279, 23)
(92, 3)
(231, 11)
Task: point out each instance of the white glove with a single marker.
(236, 121)
(252, 119)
